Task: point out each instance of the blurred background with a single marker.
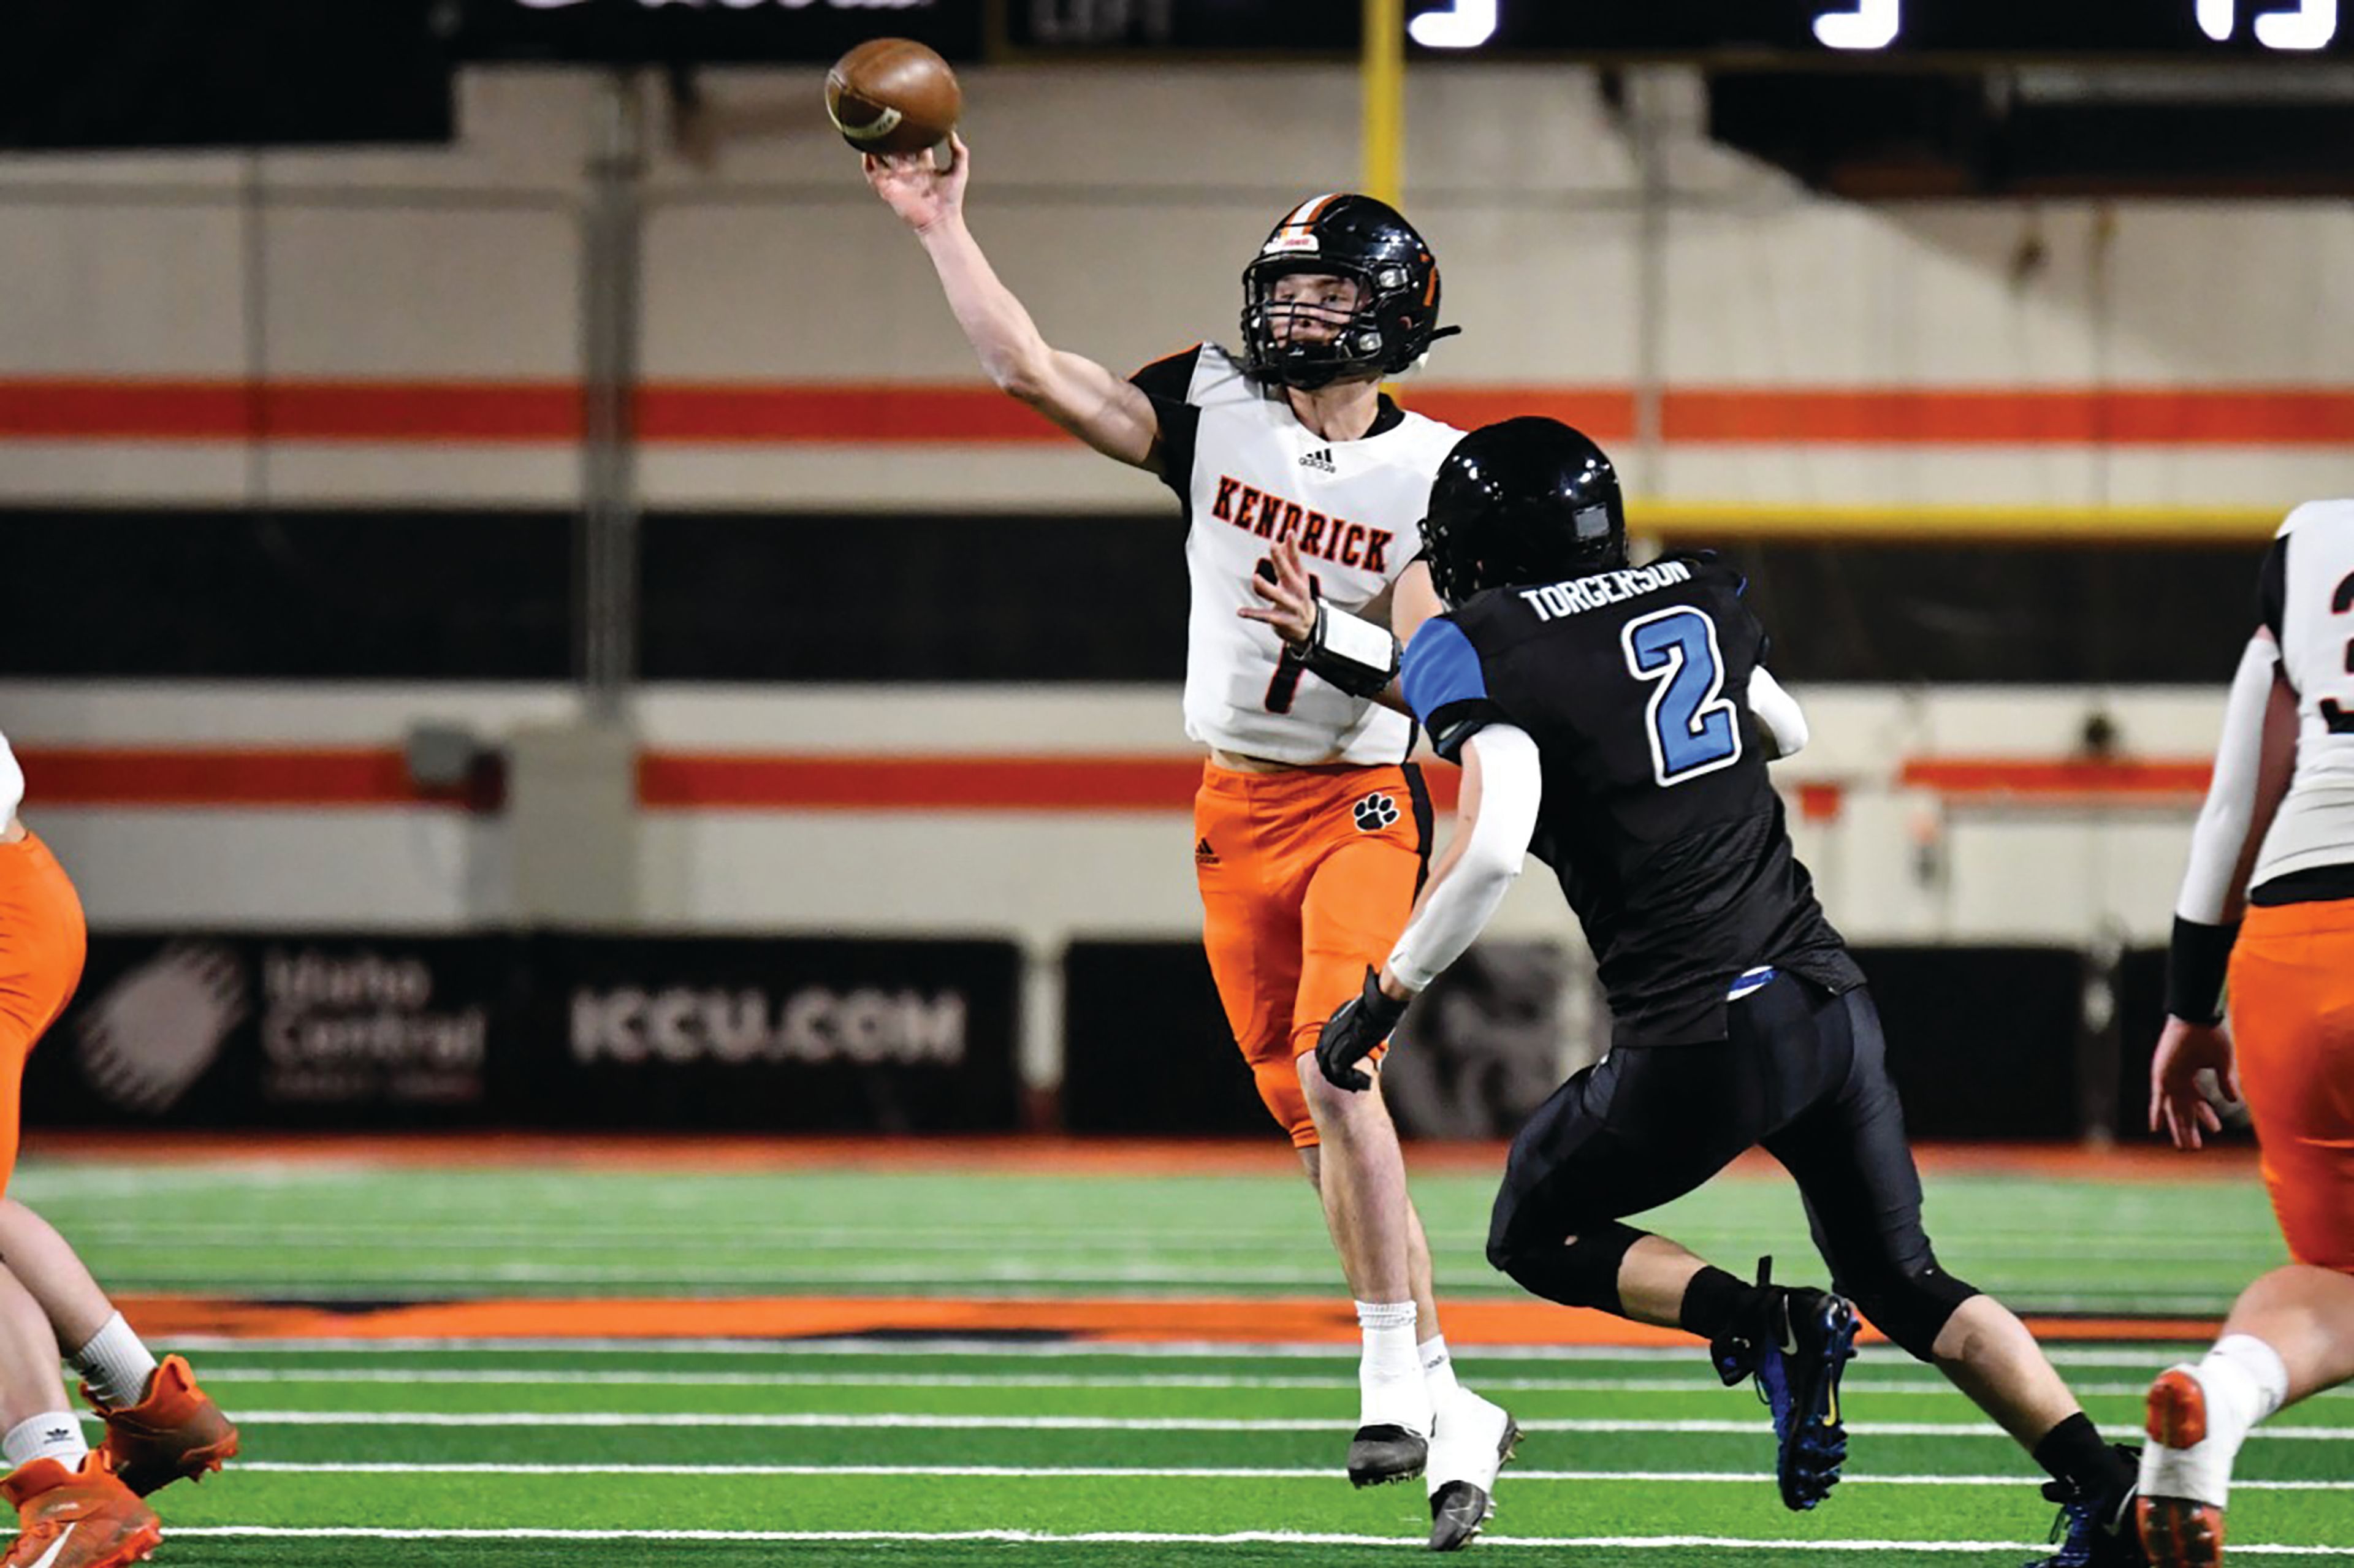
(520, 610)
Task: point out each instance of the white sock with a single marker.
(1390, 1391)
(115, 1364)
(2247, 1377)
(54, 1435)
(1437, 1370)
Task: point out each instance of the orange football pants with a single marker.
(1307, 876)
(42, 943)
(2292, 1000)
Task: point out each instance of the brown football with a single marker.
(893, 95)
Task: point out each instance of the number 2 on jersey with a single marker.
(1694, 728)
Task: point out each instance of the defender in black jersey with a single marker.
(1616, 721)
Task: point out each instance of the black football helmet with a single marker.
(1523, 501)
(1354, 236)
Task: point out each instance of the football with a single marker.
(893, 95)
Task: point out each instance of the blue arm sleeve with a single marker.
(1446, 686)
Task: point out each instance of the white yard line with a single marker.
(1703, 1385)
(1072, 1472)
(1146, 1538)
(855, 1420)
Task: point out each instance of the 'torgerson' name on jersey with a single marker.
(1270, 517)
(1575, 598)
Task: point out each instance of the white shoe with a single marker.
(1474, 1439)
(2186, 1473)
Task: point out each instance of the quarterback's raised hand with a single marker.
(1288, 594)
(922, 193)
(1354, 1032)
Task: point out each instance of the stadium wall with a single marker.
(1961, 814)
(404, 327)
(287, 339)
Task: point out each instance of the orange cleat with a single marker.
(175, 1431)
(2180, 1509)
(83, 1517)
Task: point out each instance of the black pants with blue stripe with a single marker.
(1802, 1073)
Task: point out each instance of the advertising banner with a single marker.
(740, 1034)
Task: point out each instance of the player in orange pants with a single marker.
(1306, 877)
(2268, 900)
(1307, 848)
(77, 1507)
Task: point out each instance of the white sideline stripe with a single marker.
(1143, 1538)
(1704, 1384)
(1090, 1472)
(850, 1420)
(2152, 1357)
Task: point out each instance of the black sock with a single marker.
(2075, 1452)
(1716, 1303)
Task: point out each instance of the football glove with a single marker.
(1354, 1032)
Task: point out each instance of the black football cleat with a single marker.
(1798, 1355)
(1380, 1454)
(2096, 1530)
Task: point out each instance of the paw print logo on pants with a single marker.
(1375, 812)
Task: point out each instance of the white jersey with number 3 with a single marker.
(1249, 474)
(2308, 603)
(12, 783)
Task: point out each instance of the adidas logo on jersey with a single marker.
(1320, 459)
(1203, 855)
(1375, 812)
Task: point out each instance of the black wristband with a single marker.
(1353, 675)
(2197, 961)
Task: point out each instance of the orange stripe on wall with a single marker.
(186, 777)
(691, 780)
(420, 411)
(916, 413)
(2157, 417)
(673, 780)
(328, 778)
(43, 409)
(2017, 776)
(919, 783)
(842, 413)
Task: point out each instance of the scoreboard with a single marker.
(1788, 33)
(2181, 30)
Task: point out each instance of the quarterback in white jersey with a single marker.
(1312, 830)
(1251, 476)
(2269, 894)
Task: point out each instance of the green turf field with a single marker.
(322, 1233)
(1016, 1453)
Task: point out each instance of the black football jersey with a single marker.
(1658, 817)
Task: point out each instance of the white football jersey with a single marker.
(2308, 603)
(1248, 474)
(12, 783)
